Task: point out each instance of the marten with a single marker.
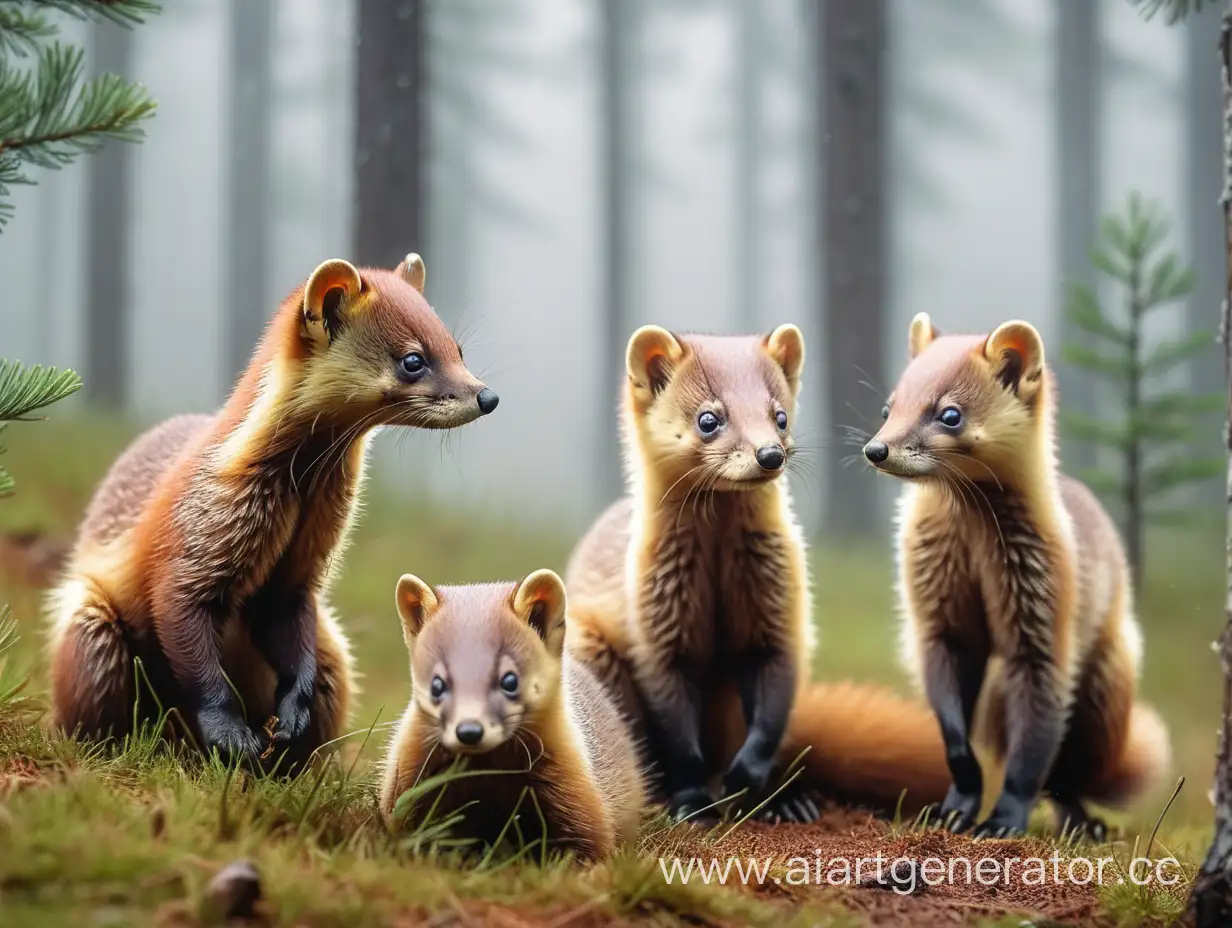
(492, 687)
(206, 552)
(690, 598)
(1013, 584)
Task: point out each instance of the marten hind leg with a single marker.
(92, 678)
(590, 646)
(1095, 737)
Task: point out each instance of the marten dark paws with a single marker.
(1076, 823)
(748, 773)
(1008, 819)
(695, 804)
(957, 813)
(229, 735)
(790, 806)
(294, 713)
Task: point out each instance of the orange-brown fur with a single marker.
(207, 549)
(1017, 604)
(690, 597)
(558, 734)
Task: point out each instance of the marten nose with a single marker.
(487, 400)
(770, 456)
(469, 732)
(876, 452)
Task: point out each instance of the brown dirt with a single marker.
(851, 835)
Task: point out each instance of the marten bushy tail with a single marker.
(1143, 763)
(867, 745)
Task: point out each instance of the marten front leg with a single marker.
(953, 676)
(673, 719)
(767, 690)
(283, 627)
(191, 643)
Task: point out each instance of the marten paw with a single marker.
(957, 813)
(694, 804)
(229, 735)
(790, 806)
(747, 773)
(294, 713)
(1008, 819)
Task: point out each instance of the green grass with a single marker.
(93, 839)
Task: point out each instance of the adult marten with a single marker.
(206, 551)
(690, 597)
(1013, 583)
(491, 685)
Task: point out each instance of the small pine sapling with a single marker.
(1159, 425)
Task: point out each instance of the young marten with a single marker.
(207, 550)
(690, 597)
(1013, 583)
(491, 686)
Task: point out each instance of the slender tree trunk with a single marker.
(853, 186)
(1133, 451)
(391, 144)
(618, 25)
(1078, 154)
(1202, 176)
(248, 195)
(748, 180)
(1210, 900)
(109, 184)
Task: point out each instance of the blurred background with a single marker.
(571, 169)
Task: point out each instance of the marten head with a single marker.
(967, 406)
(714, 411)
(373, 351)
(485, 658)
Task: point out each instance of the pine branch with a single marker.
(26, 389)
(121, 12)
(1176, 10)
(1170, 354)
(1184, 404)
(1102, 482)
(1096, 431)
(21, 30)
(1175, 473)
(1168, 281)
(1116, 368)
(1083, 310)
(48, 117)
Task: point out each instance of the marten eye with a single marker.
(414, 364)
(437, 688)
(885, 411)
(780, 419)
(708, 423)
(509, 683)
(950, 417)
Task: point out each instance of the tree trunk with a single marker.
(1203, 176)
(617, 23)
(853, 187)
(109, 174)
(391, 123)
(1210, 900)
(1078, 153)
(747, 263)
(248, 197)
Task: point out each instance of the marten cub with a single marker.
(490, 686)
(207, 549)
(690, 597)
(1013, 584)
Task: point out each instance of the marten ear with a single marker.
(413, 271)
(921, 334)
(331, 290)
(786, 346)
(650, 359)
(540, 601)
(416, 603)
(1016, 353)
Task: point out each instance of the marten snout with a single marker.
(469, 733)
(487, 400)
(770, 457)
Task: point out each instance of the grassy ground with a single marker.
(90, 839)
